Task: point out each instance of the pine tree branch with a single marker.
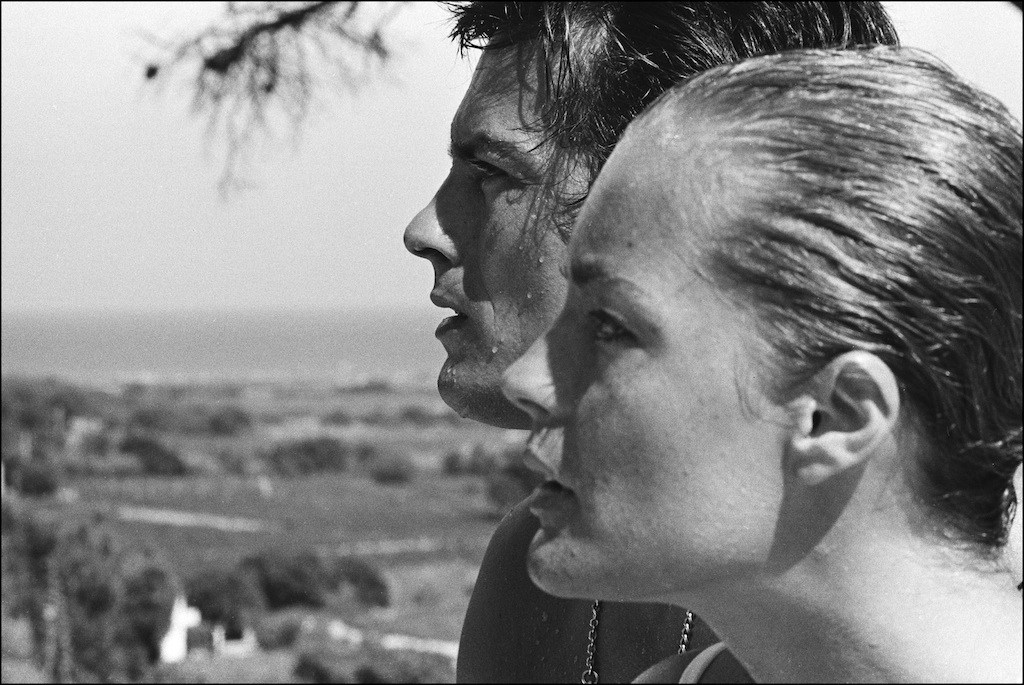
(260, 61)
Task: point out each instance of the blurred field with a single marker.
(329, 511)
(206, 476)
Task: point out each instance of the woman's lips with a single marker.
(553, 504)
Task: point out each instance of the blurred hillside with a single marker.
(293, 515)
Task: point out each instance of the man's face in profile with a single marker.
(489, 234)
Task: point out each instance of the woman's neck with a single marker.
(884, 612)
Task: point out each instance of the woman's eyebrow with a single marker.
(586, 270)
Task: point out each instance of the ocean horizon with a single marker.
(333, 347)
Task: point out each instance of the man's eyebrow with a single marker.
(482, 145)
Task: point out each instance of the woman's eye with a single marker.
(607, 329)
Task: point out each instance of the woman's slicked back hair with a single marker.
(887, 218)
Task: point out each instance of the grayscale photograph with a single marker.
(511, 342)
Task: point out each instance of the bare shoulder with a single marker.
(513, 632)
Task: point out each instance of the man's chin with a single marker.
(473, 390)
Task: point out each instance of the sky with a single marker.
(109, 190)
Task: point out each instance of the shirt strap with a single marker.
(694, 671)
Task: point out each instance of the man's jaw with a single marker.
(470, 380)
(472, 387)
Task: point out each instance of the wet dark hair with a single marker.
(606, 61)
(886, 217)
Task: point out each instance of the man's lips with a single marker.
(553, 504)
(450, 324)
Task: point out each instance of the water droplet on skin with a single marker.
(494, 350)
(529, 296)
(540, 260)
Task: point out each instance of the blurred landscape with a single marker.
(297, 507)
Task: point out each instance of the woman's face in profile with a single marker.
(671, 470)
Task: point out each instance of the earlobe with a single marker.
(847, 411)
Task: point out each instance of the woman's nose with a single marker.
(425, 238)
(528, 384)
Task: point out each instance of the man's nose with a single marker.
(425, 238)
(529, 385)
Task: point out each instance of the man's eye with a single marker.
(607, 329)
(483, 170)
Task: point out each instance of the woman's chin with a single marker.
(554, 565)
(568, 567)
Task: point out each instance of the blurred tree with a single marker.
(154, 456)
(368, 582)
(260, 61)
(98, 609)
(229, 421)
(312, 455)
(148, 591)
(35, 478)
(228, 597)
(288, 579)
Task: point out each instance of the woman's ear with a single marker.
(845, 412)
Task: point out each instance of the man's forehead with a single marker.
(500, 114)
(517, 68)
(503, 94)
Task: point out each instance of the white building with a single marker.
(174, 645)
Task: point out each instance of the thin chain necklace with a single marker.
(589, 676)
